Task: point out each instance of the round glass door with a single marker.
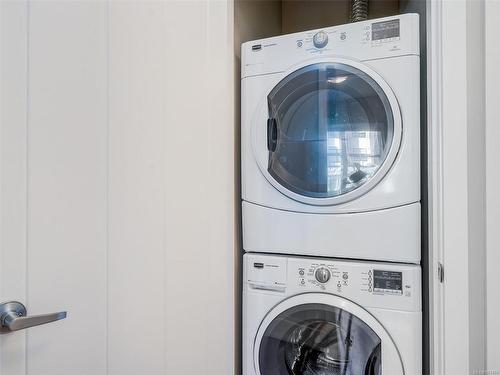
(318, 339)
(331, 130)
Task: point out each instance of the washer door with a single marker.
(320, 334)
(333, 132)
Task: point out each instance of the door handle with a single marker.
(13, 317)
(272, 134)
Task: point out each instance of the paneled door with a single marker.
(117, 198)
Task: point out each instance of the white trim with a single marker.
(454, 197)
(492, 96)
(476, 177)
(435, 185)
(455, 83)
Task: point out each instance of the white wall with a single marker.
(13, 156)
(492, 12)
(117, 185)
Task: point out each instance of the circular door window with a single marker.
(333, 132)
(319, 339)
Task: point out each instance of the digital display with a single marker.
(388, 282)
(385, 30)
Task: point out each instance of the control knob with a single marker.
(322, 275)
(320, 39)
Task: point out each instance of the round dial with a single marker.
(322, 274)
(320, 39)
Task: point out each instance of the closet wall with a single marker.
(299, 15)
(256, 19)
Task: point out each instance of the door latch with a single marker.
(13, 317)
(441, 272)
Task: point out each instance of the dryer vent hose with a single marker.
(359, 10)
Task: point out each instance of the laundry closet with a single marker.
(333, 187)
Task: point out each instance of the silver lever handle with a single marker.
(13, 317)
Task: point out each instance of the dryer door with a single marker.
(333, 132)
(319, 334)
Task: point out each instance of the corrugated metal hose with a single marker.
(359, 10)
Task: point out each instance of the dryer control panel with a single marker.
(367, 40)
(371, 284)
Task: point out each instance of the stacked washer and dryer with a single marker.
(331, 201)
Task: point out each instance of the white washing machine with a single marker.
(312, 316)
(331, 142)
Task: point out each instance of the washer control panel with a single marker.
(322, 274)
(356, 279)
(372, 284)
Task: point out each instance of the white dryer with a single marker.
(331, 142)
(312, 316)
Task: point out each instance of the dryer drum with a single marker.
(336, 128)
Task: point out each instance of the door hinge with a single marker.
(441, 272)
